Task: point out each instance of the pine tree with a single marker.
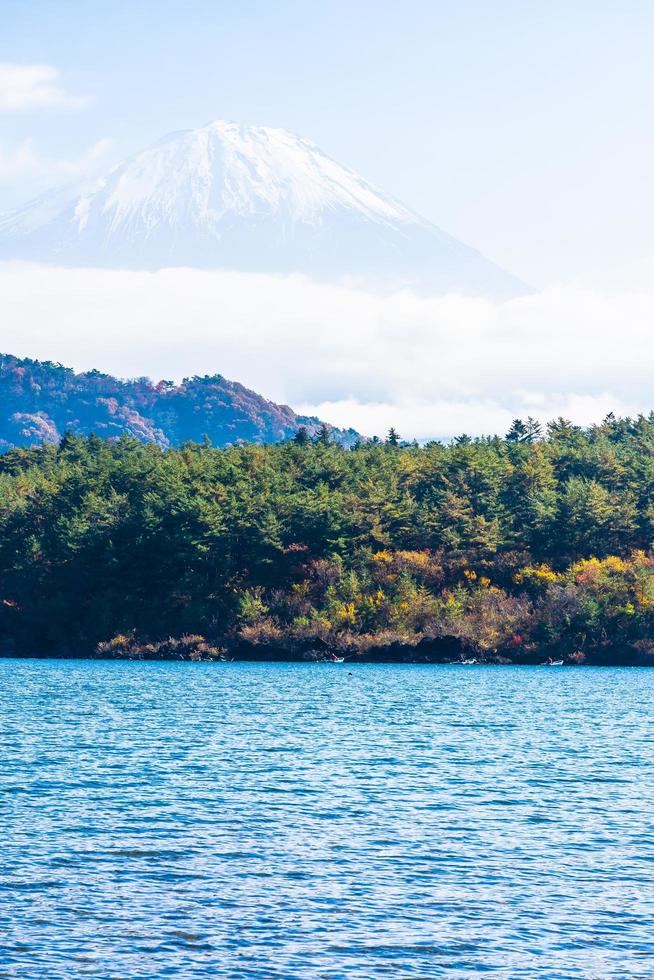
(517, 432)
(534, 430)
(324, 436)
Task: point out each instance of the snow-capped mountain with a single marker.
(247, 198)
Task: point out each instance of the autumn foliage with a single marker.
(509, 549)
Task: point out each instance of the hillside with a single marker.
(508, 550)
(40, 401)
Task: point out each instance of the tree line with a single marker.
(506, 547)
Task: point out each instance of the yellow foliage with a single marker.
(536, 575)
(614, 564)
(591, 570)
(120, 640)
(415, 558)
(347, 613)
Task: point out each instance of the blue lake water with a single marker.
(281, 821)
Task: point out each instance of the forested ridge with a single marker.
(507, 549)
(41, 401)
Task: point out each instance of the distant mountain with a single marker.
(250, 199)
(40, 401)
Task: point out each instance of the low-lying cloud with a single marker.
(430, 367)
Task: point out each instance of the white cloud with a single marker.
(430, 367)
(428, 418)
(26, 162)
(34, 87)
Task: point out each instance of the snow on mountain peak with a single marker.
(244, 197)
(226, 169)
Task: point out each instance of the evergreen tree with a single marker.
(324, 436)
(534, 430)
(541, 536)
(517, 432)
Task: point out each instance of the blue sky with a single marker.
(522, 128)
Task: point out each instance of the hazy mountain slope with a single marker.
(246, 198)
(40, 401)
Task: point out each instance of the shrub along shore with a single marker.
(504, 550)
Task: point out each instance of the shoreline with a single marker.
(605, 658)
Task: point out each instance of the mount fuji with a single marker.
(251, 199)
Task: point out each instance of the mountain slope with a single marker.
(40, 401)
(251, 199)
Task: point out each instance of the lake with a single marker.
(325, 821)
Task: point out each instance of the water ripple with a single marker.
(283, 821)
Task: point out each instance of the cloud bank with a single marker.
(34, 87)
(430, 367)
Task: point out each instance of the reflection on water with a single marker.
(281, 821)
